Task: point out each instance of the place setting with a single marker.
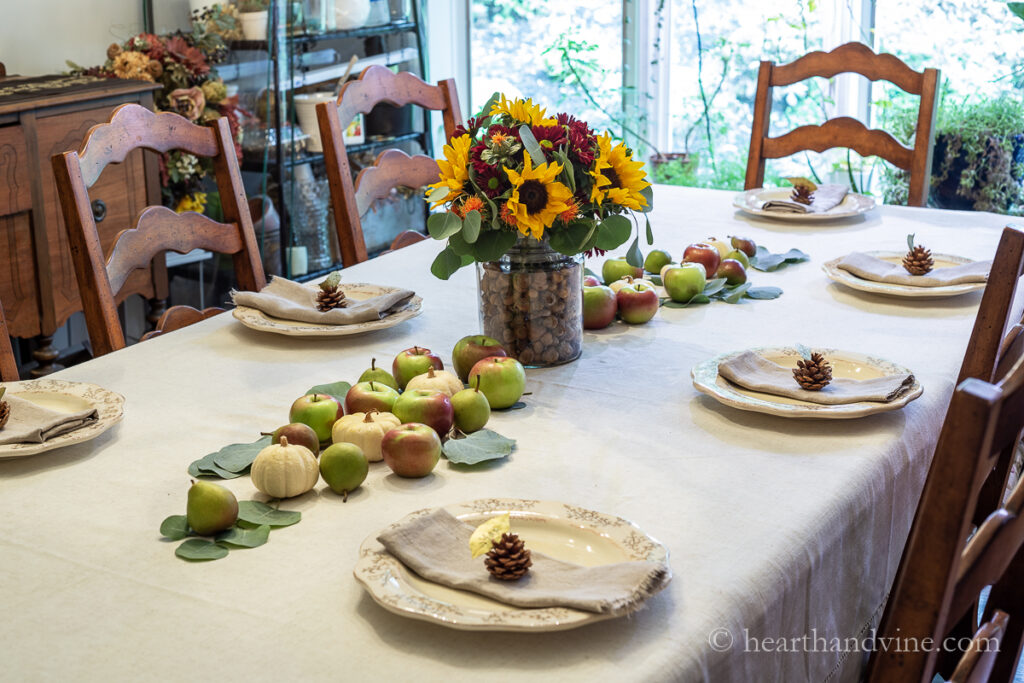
(804, 201)
(329, 308)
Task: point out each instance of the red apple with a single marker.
(299, 434)
(637, 303)
(502, 380)
(591, 281)
(733, 272)
(319, 411)
(366, 396)
(704, 254)
(432, 408)
(471, 349)
(412, 362)
(598, 307)
(411, 450)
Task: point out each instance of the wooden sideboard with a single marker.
(40, 117)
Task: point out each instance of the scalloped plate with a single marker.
(752, 200)
(844, 364)
(258, 320)
(70, 397)
(562, 531)
(844, 277)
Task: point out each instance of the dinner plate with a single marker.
(357, 291)
(752, 200)
(845, 277)
(68, 397)
(559, 530)
(845, 364)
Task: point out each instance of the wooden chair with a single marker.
(393, 168)
(8, 367)
(942, 572)
(3, 70)
(177, 317)
(156, 228)
(844, 131)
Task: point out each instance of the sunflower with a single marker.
(454, 170)
(524, 111)
(537, 199)
(617, 178)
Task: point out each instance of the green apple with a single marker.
(380, 375)
(617, 268)
(656, 260)
(472, 411)
(471, 349)
(502, 380)
(319, 411)
(412, 362)
(211, 508)
(738, 255)
(344, 467)
(666, 267)
(685, 281)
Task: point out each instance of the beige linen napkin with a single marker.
(825, 197)
(32, 423)
(289, 300)
(754, 372)
(875, 269)
(436, 546)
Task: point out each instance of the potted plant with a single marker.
(254, 19)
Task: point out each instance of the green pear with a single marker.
(472, 409)
(343, 466)
(211, 508)
(375, 374)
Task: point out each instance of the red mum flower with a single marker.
(490, 179)
(549, 137)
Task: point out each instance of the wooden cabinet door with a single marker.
(18, 288)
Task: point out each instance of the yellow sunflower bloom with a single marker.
(617, 178)
(192, 202)
(537, 198)
(454, 170)
(522, 110)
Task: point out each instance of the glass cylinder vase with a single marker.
(531, 300)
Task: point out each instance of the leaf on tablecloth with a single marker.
(175, 527)
(766, 261)
(245, 538)
(206, 467)
(335, 389)
(238, 457)
(714, 286)
(764, 293)
(257, 513)
(478, 447)
(200, 550)
(732, 295)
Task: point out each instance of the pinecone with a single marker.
(5, 412)
(918, 260)
(813, 374)
(330, 294)
(802, 194)
(508, 559)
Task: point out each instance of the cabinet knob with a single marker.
(99, 210)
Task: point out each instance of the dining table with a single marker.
(783, 534)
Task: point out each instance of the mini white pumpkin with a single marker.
(284, 470)
(437, 380)
(365, 430)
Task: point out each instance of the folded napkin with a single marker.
(32, 423)
(757, 373)
(875, 269)
(289, 300)
(826, 197)
(436, 546)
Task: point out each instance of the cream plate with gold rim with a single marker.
(357, 291)
(69, 397)
(845, 364)
(751, 202)
(845, 277)
(559, 530)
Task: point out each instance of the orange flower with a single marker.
(498, 138)
(507, 216)
(571, 212)
(472, 204)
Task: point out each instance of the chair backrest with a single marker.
(844, 131)
(157, 228)
(393, 168)
(942, 573)
(8, 366)
(3, 70)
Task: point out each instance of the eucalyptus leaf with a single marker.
(648, 194)
(570, 240)
(452, 224)
(650, 232)
(613, 232)
(245, 538)
(200, 550)
(1017, 8)
(175, 527)
(714, 286)
(471, 226)
(493, 100)
(435, 225)
(633, 255)
(656, 280)
(335, 389)
(733, 295)
(491, 244)
(255, 512)
(478, 447)
(438, 194)
(764, 293)
(446, 263)
(766, 261)
(206, 467)
(237, 457)
(457, 243)
(531, 145)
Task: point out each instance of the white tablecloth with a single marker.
(777, 528)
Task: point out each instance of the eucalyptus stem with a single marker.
(700, 83)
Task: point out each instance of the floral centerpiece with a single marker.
(526, 195)
(183, 64)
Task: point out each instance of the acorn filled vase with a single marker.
(531, 300)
